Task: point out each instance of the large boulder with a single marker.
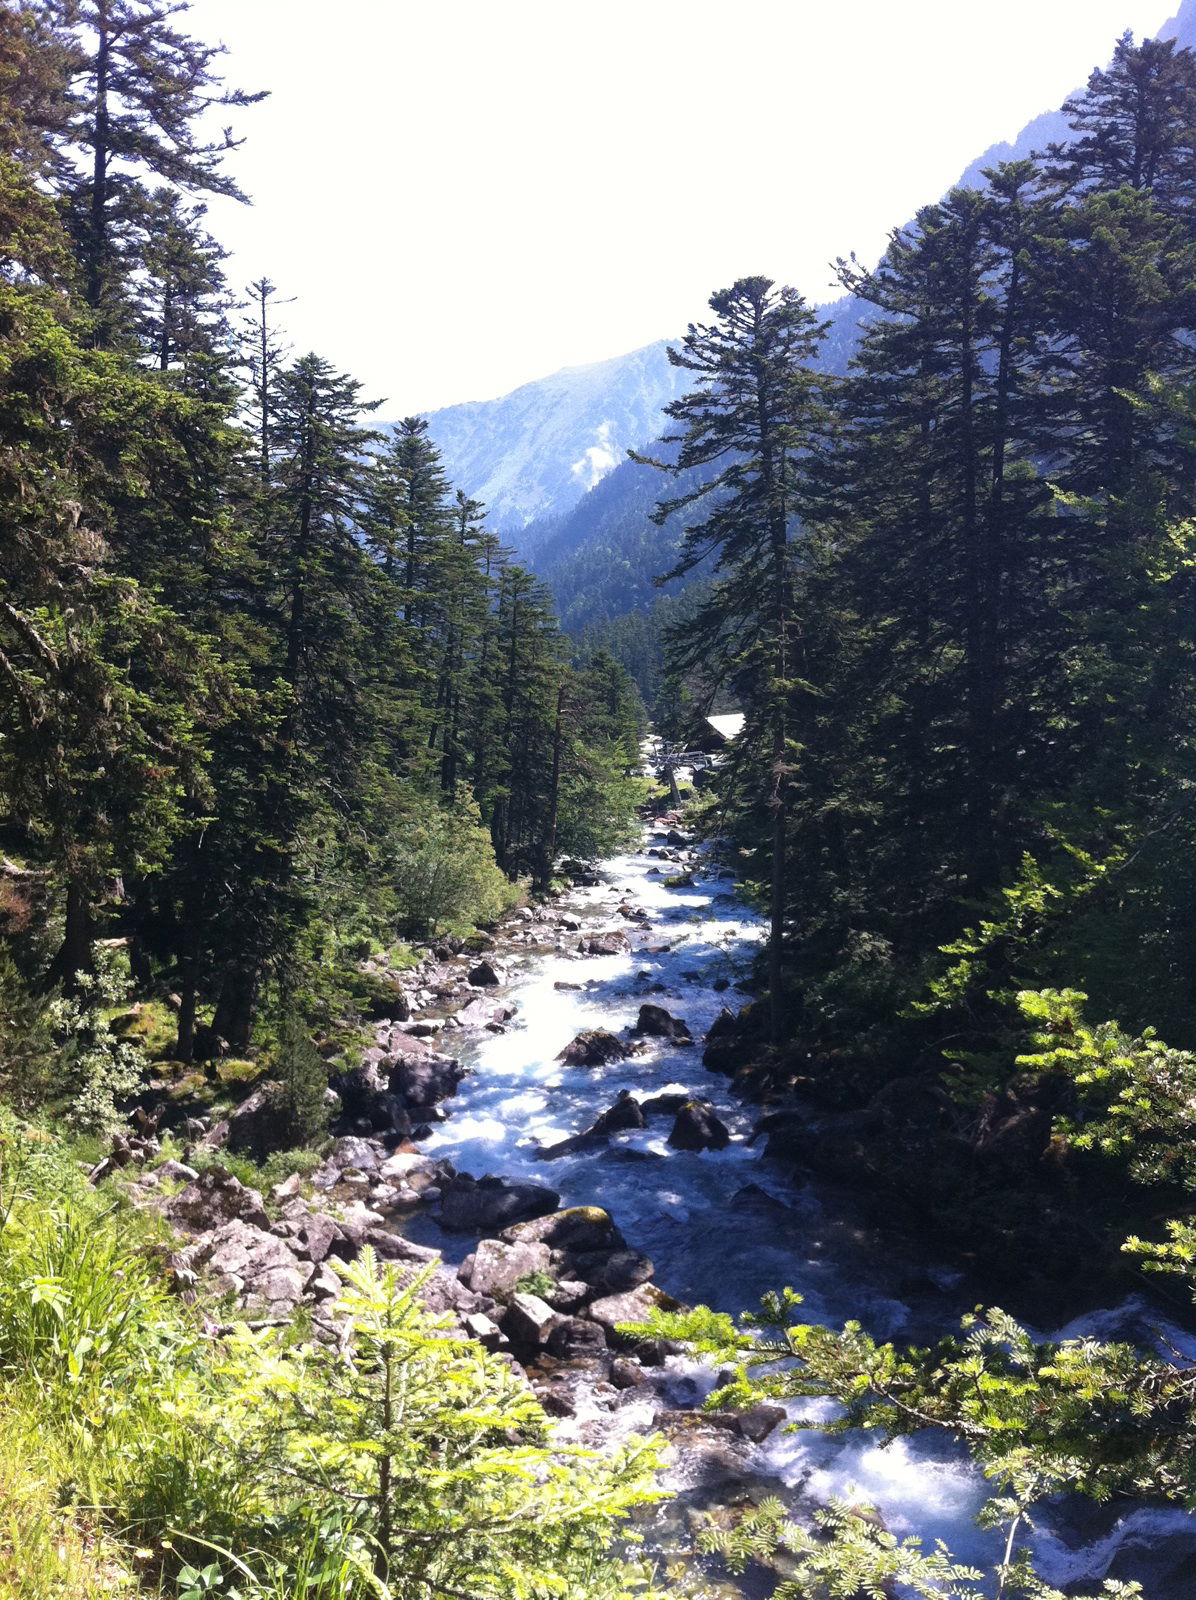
(697, 1128)
(576, 1228)
(636, 1305)
(485, 975)
(488, 1205)
(261, 1270)
(259, 1125)
(423, 1078)
(612, 943)
(577, 1144)
(529, 1321)
(657, 1023)
(496, 1267)
(595, 1047)
(216, 1197)
(483, 1013)
(606, 1271)
(576, 1338)
(388, 1000)
(366, 1100)
(730, 1043)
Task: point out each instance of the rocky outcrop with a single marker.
(213, 1199)
(245, 1260)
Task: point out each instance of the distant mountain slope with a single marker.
(538, 450)
(600, 556)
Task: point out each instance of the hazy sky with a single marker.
(466, 194)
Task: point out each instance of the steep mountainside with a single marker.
(536, 452)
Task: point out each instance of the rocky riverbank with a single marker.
(554, 1130)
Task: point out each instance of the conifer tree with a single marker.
(751, 417)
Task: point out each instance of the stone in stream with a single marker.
(423, 1078)
(595, 1047)
(488, 1205)
(666, 1104)
(634, 1306)
(575, 1228)
(577, 1144)
(607, 1271)
(485, 975)
(697, 1128)
(576, 1337)
(481, 1013)
(657, 1023)
(626, 1113)
(612, 943)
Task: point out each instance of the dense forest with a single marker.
(953, 593)
(278, 713)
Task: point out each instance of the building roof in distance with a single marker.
(728, 725)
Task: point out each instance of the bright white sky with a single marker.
(463, 195)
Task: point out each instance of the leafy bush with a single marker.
(445, 874)
(400, 1459)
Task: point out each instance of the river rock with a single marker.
(366, 1099)
(482, 1013)
(729, 1045)
(495, 1267)
(213, 1199)
(424, 1078)
(627, 1374)
(314, 1236)
(605, 944)
(485, 975)
(595, 1047)
(635, 1305)
(697, 1128)
(244, 1260)
(655, 1022)
(488, 1205)
(577, 1144)
(626, 1113)
(757, 1422)
(577, 1228)
(389, 1002)
(575, 1338)
(528, 1320)
(666, 1104)
(607, 1271)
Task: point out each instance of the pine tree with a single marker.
(752, 417)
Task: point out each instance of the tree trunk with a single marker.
(75, 954)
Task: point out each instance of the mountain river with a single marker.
(722, 1227)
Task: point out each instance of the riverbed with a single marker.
(724, 1226)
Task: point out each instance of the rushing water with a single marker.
(722, 1227)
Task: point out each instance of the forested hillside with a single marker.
(255, 658)
(601, 557)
